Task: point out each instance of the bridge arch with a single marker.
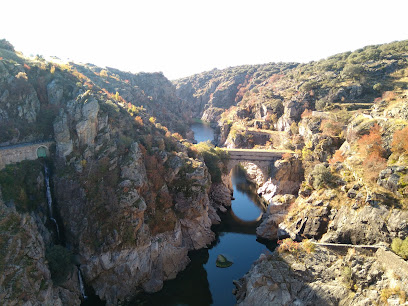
(262, 167)
(42, 151)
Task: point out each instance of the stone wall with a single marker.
(18, 153)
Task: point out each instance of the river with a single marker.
(202, 282)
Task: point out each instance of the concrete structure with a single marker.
(263, 159)
(24, 151)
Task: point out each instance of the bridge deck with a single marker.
(26, 144)
(250, 154)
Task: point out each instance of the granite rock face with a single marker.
(323, 277)
(25, 273)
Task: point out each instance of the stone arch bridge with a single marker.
(24, 151)
(263, 159)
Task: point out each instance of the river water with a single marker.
(202, 282)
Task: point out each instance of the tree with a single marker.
(371, 143)
(330, 127)
(103, 73)
(400, 247)
(59, 262)
(371, 150)
(400, 141)
(353, 70)
(337, 157)
(321, 176)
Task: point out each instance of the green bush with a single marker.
(214, 158)
(400, 247)
(59, 262)
(321, 104)
(19, 184)
(321, 176)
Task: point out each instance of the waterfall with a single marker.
(48, 190)
(56, 226)
(81, 284)
(49, 199)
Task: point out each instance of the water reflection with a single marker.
(202, 132)
(244, 193)
(202, 283)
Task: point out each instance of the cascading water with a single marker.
(49, 199)
(81, 284)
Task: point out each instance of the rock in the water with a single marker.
(223, 262)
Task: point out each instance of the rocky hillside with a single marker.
(211, 93)
(354, 192)
(346, 119)
(273, 97)
(129, 197)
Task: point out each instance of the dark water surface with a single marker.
(202, 131)
(202, 282)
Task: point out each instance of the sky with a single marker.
(184, 37)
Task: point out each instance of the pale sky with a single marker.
(184, 37)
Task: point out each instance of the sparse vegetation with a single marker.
(400, 247)
(214, 158)
(19, 184)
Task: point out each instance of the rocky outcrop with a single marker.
(311, 222)
(212, 92)
(369, 225)
(323, 277)
(285, 178)
(394, 178)
(274, 215)
(292, 112)
(132, 218)
(220, 197)
(18, 98)
(25, 276)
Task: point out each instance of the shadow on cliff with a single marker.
(190, 288)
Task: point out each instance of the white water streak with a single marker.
(81, 284)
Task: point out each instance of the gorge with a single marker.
(308, 163)
(202, 283)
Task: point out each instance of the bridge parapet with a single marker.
(263, 159)
(24, 151)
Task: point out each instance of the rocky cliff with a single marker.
(25, 274)
(358, 197)
(211, 93)
(130, 201)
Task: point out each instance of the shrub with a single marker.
(59, 262)
(353, 70)
(373, 164)
(308, 246)
(378, 86)
(372, 150)
(371, 143)
(337, 157)
(400, 141)
(386, 293)
(214, 158)
(347, 276)
(19, 183)
(103, 73)
(321, 104)
(321, 176)
(330, 127)
(400, 247)
(289, 246)
(294, 128)
(307, 113)
(139, 121)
